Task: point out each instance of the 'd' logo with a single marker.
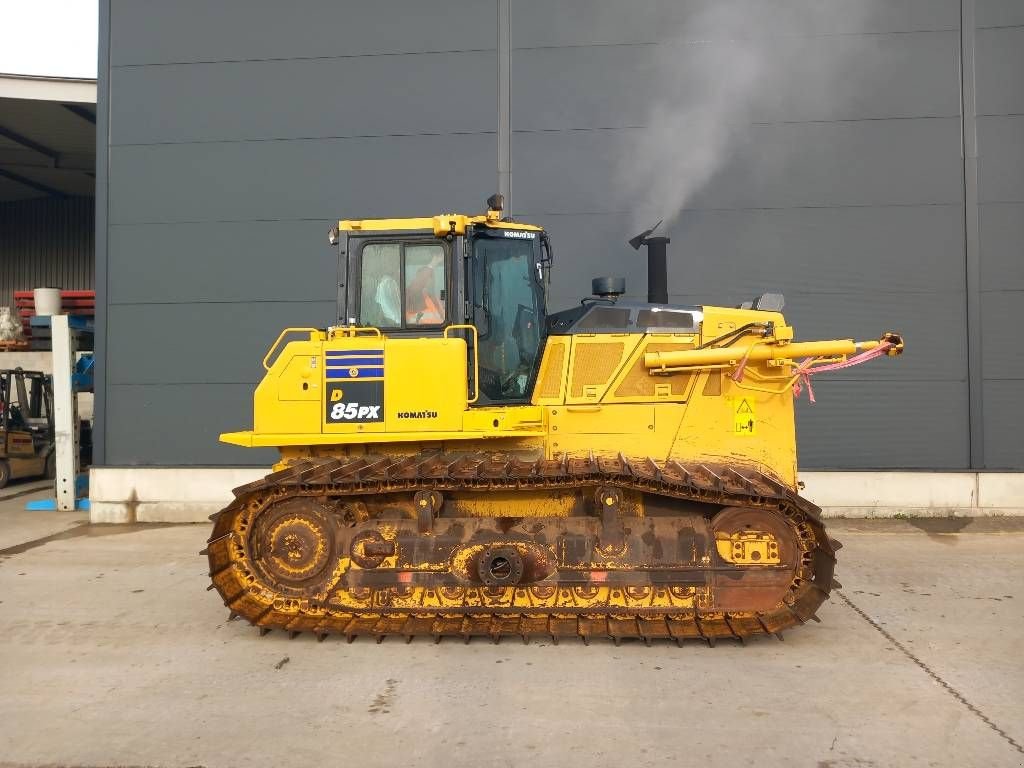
(336, 395)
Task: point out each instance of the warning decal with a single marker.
(744, 418)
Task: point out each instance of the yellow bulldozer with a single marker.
(456, 461)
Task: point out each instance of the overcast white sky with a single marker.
(56, 38)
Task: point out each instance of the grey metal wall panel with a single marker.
(158, 32)
(100, 399)
(874, 162)
(1001, 159)
(179, 425)
(224, 178)
(852, 205)
(854, 249)
(222, 261)
(218, 342)
(1002, 348)
(1002, 255)
(998, 13)
(537, 23)
(355, 96)
(1004, 424)
(932, 323)
(614, 86)
(314, 179)
(999, 63)
(46, 242)
(1000, 125)
(883, 425)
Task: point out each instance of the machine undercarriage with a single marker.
(597, 547)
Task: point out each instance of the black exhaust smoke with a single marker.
(657, 263)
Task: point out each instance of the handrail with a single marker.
(476, 356)
(352, 331)
(285, 332)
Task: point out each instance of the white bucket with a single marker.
(47, 301)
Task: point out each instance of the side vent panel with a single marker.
(595, 361)
(637, 385)
(552, 372)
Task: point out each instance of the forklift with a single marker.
(26, 425)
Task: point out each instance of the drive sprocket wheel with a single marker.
(292, 544)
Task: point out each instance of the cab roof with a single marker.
(441, 225)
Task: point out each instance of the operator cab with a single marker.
(417, 277)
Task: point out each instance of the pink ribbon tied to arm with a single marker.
(806, 368)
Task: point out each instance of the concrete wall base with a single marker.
(163, 494)
(191, 495)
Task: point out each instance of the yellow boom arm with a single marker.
(765, 351)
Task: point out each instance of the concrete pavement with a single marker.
(113, 653)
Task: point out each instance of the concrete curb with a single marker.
(163, 494)
(916, 494)
(191, 495)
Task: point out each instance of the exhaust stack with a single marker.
(657, 263)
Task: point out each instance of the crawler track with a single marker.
(320, 507)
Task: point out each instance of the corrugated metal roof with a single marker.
(47, 148)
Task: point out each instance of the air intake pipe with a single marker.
(657, 263)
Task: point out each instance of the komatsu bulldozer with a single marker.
(456, 461)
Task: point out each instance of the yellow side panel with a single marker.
(740, 426)
(280, 403)
(504, 421)
(635, 384)
(300, 379)
(594, 361)
(634, 430)
(425, 385)
(721, 320)
(550, 389)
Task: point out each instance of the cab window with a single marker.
(403, 285)
(424, 285)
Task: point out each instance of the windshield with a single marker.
(508, 309)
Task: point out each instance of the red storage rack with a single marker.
(82, 303)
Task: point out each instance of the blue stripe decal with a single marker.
(357, 352)
(361, 373)
(355, 361)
